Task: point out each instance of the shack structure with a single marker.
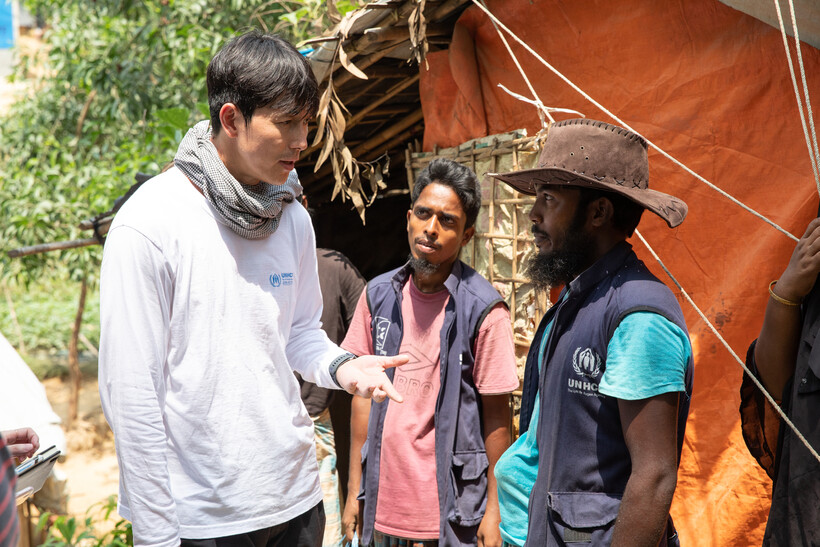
(706, 82)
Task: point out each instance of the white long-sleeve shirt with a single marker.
(200, 332)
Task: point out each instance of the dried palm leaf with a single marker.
(417, 24)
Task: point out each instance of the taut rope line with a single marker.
(542, 110)
(625, 125)
(814, 155)
(730, 350)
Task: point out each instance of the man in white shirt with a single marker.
(209, 301)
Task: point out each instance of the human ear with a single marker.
(230, 117)
(600, 212)
(468, 235)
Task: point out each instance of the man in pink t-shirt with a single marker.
(408, 502)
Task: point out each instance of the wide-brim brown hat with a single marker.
(593, 154)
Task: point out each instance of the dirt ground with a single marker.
(91, 463)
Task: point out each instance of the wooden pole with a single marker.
(514, 257)
(365, 62)
(73, 357)
(395, 141)
(388, 134)
(411, 177)
(366, 89)
(56, 246)
(392, 72)
(393, 33)
(446, 9)
(89, 224)
(389, 94)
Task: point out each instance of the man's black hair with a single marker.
(627, 213)
(458, 177)
(256, 70)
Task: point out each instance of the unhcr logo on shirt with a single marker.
(277, 280)
(587, 364)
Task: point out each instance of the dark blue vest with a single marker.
(583, 461)
(461, 459)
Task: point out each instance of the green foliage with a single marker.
(68, 531)
(45, 312)
(301, 20)
(123, 81)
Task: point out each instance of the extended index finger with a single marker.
(395, 361)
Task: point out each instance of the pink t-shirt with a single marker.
(407, 504)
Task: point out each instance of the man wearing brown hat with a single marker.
(609, 373)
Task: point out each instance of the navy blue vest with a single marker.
(461, 459)
(583, 461)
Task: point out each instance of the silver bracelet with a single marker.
(336, 363)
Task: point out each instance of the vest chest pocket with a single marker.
(582, 517)
(469, 481)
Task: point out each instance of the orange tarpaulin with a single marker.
(710, 86)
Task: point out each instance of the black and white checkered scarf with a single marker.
(253, 212)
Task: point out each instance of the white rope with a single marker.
(814, 156)
(623, 124)
(730, 350)
(809, 113)
(543, 112)
(538, 104)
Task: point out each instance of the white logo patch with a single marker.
(587, 364)
(382, 326)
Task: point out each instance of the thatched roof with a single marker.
(362, 122)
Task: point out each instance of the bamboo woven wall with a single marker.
(503, 242)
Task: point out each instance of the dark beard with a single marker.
(422, 266)
(555, 268)
(560, 266)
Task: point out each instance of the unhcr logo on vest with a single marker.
(382, 326)
(587, 364)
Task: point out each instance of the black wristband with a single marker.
(336, 363)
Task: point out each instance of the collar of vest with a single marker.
(451, 283)
(601, 269)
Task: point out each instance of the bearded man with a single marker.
(609, 374)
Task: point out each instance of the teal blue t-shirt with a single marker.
(515, 473)
(637, 367)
